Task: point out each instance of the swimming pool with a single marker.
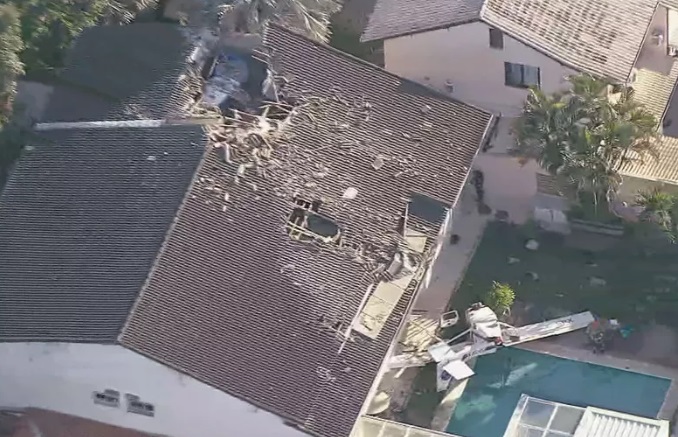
(490, 397)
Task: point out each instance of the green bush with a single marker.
(500, 298)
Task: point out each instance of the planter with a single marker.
(597, 227)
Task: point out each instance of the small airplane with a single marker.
(485, 335)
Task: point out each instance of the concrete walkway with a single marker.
(451, 264)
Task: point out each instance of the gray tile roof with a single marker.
(121, 72)
(392, 18)
(600, 37)
(235, 302)
(81, 221)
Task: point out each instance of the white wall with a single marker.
(463, 55)
(62, 377)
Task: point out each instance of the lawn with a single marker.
(623, 280)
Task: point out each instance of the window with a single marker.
(521, 76)
(496, 39)
(109, 398)
(136, 406)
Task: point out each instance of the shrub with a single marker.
(500, 298)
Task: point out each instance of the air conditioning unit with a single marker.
(449, 86)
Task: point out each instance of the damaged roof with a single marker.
(235, 301)
(185, 245)
(137, 71)
(81, 221)
(599, 37)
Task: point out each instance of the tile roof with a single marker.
(122, 72)
(663, 169)
(654, 90)
(81, 221)
(393, 18)
(600, 37)
(34, 422)
(235, 302)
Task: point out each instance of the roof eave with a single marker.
(363, 39)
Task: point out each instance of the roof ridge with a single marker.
(375, 67)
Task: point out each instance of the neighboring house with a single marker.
(166, 273)
(488, 52)
(35, 422)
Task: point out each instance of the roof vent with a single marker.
(449, 86)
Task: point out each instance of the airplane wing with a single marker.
(446, 372)
(536, 331)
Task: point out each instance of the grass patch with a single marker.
(424, 399)
(623, 281)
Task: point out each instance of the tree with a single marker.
(10, 64)
(660, 210)
(583, 136)
(500, 298)
(48, 27)
(310, 17)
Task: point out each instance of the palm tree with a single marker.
(310, 17)
(583, 137)
(10, 64)
(661, 210)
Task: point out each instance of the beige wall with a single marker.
(462, 54)
(632, 186)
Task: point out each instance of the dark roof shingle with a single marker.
(137, 71)
(235, 302)
(81, 221)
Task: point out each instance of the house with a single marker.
(488, 52)
(175, 272)
(35, 422)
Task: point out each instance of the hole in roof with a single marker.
(305, 224)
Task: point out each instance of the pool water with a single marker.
(490, 397)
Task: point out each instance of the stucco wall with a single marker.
(63, 377)
(462, 54)
(632, 186)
